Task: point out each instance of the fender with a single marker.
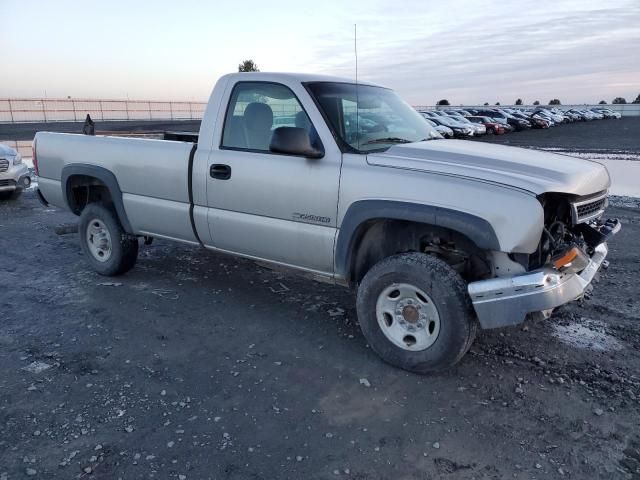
(477, 229)
(106, 177)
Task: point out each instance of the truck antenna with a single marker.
(355, 49)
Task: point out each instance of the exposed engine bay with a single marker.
(572, 229)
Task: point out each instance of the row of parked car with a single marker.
(468, 122)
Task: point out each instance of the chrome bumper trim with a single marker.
(504, 301)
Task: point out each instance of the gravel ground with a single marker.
(196, 365)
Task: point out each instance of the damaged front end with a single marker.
(572, 230)
(570, 252)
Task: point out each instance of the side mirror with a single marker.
(293, 141)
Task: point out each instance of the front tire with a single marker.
(107, 247)
(415, 312)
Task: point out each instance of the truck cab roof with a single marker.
(288, 78)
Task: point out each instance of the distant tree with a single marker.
(602, 102)
(497, 103)
(537, 102)
(637, 100)
(555, 101)
(619, 100)
(486, 103)
(444, 101)
(248, 66)
(519, 101)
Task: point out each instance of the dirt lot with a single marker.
(612, 136)
(198, 366)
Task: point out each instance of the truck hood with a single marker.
(535, 171)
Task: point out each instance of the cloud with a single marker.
(576, 55)
(466, 51)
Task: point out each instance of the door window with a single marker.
(255, 110)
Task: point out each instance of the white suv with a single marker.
(14, 174)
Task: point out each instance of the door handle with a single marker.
(220, 171)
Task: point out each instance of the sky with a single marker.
(468, 52)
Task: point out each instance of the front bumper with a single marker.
(504, 301)
(16, 177)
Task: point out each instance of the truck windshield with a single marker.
(368, 118)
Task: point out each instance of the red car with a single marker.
(492, 125)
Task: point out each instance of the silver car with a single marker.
(446, 132)
(479, 128)
(14, 174)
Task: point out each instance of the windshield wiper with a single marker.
(388, 140)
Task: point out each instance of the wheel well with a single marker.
(83, 190)
(380, 238)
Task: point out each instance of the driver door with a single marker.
(281, 208)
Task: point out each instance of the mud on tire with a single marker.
(447, 294)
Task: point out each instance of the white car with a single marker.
(607, 112)
(446, 132)
(14, 174)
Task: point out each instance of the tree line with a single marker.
(554, 101)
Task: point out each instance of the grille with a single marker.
(588, 209)
(4, 164)
(7, 183)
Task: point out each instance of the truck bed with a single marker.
(153, 175)
(181, 136)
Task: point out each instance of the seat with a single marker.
(258, 120)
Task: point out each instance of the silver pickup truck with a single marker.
(348, 182)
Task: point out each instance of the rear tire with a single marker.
(415, 312)
(107, 247)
